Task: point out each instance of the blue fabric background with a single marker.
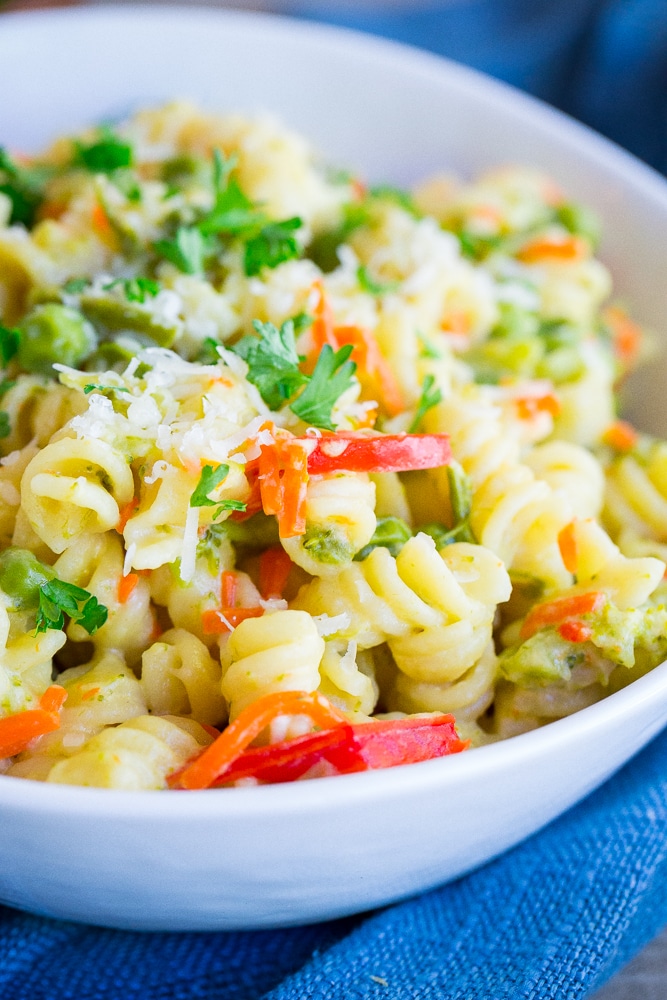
(560, 914)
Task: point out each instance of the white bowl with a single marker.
(273, 856)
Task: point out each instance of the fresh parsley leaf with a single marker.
(92, 386)
(6, 385)
(387, 192)
(368, 284)
(109, 153)
(390, 533)
(136, 289)
(57, 599)
(273, 363)
(76, 285)
(428, 348)
(233, 212)
(5, 424)
(208, 353)
(23, 186)
(211, 478)
(333, 375)
(274, 244)
(429, 398)
(9, 343)
(460, 498)
(187, 250)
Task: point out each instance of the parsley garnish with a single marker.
(460, 498)
(23, 186)
(5, 424)
(208, 353)
(6, 385)
(428, 348)
(333, 375)
(92, 386)
(390, 533)
(109, 153)
(211, 478)
(75, 286)
(233, 211)
(186, 250)
(9, 343)
(373, 287)
(429, 398)
(274, 244)
(273, 364)
(136, 289)
(57, 599)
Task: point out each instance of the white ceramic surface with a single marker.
(284, 855)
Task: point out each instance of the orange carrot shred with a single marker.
(559, 610)
(90, 693)
(17, 731)
(529, 406)
(274, 569)
(567, 543)
(126, 585)
(217, 621)
(626, 334)
(126, 513)
(575, 631)
(203, 771)
(545, 250)
(621, 436)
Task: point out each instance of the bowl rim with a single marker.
(327, 794)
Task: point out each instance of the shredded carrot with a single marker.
(17, 731)
(283, 477)
(529, 406)
(126, 585)
(575, 631)
(559, 610)
(90, 693)
(372, 363)
(358, 189)
(203, 771)
(217, 621)
(456, 321)
(126, 513)
(228, 587)
(547, 250)
(53, 698)
(626, 334)
(322, 328)
(103, 228)
(274, 569)
(567, 543)
(621, 436)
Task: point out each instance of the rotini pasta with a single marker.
(284, 455)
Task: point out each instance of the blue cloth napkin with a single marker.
(603, 61)
(554, 918)
(557, 916)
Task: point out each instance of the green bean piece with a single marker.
(22, 575)
(51, 333)
(390, 533)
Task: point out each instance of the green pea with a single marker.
(581, 220)
(51, 333)
(22, 575)
(390, 533)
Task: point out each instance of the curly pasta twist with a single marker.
(514, 514)
(573, 471)
(73, 487)
(348, 679)
(435, 610)
(278, 652)
(180, 677)
(37, 409)
(340, 520)
(139, 754)
(636, 495)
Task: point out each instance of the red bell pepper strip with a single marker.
(347, 748)
(347, 451)
(365, 747)
(206, 768)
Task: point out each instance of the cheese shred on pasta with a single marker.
(224, 363)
